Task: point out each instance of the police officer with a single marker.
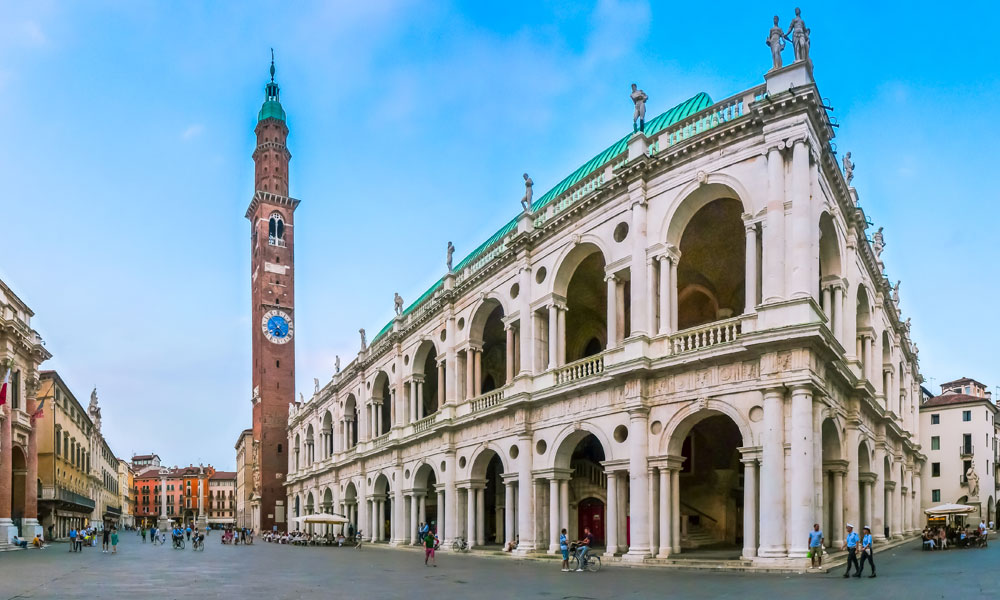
(851, 545)
(866, 552)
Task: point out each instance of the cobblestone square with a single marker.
(273, 572)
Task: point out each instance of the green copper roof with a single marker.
(271, 109)
(683, 110)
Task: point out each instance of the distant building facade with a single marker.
(222, 499)
(244, 481)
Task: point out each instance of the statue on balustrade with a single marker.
(878, 243)
(848, 168)
(895, 292)
(799, 37)
(776, 40)
(315, 385)
(451, 251)
(639, 98)
(398, 302)
(526, 200)
(364, 339)
(336, 363)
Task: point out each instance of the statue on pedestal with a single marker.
(895, 292)
(526, 200)
(639, 98)
(800, 36)
(451, 251)
(776, 40)
(336, 363)
(364, 339)
(878, 243)
(398, 302)
(315, 385)
(848, 168)
(973, 480)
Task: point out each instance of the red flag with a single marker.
(38, 414)
(3, 387)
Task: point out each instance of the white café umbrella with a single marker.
(950, 509)
(323, 518)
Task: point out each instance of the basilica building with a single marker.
(688, 342)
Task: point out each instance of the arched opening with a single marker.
(488, 328)
(865, 333)
(425, 362)
(830, 273)
(833, 467)
(888, 487)
(298, 449)
(587, 308)
(712, 269)
(310, 446)
(487, 525)
(586, 503)
(310, 504)
(298, 506)
(382, 510)
(351, 422)
(382, 397)
(327, 435)
(886, 373)
(865, 480)
(327, 506)
(351, 508)
(425, 484)
(276, 230)
(18, 489)
(711, 484)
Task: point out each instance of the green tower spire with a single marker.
(271, 109)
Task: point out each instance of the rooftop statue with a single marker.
(451, 251)
(639, 98)
(800, 36)
(364, 339)
(526, 200)
(878, 243)
(776, 40)
(398, 302)
(336, 363)
(895, 292)
(315, 385)
(848, 168)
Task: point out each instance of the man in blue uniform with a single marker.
(851, 545)
(866, 552)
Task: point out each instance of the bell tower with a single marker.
(272, 297)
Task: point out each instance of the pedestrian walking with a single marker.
(866, 552)
(142, 532)
(851, 545)
(816, 546)
(105, 540)
(114, 541)
(429, 548)
(72, 540)
(564, 548)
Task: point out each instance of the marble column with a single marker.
(480, 516)
(675, 510)
(750, 290)
(441, 385)
(30, 526)
(802, 226)
(398, 506)
(838, 509)
(611, 514)
(422, 507)
(420, 399)
(470, 516)
(673, 291)
(6, 472)
(470, 373)
(564, 504)
(525, 501)
(450, 499)
(802, 476)
(413, 535)
(478, 382)
(749, 507)
(774, 240)
(561, 336)
(637, 269)
(851, 499)
(440, 516)
(826, 302)
(638, 485)
(612, 316)
(509, 354)
(508, 511)
(653, 526)
(837, 320)
(665, 285)
(527, 333)
(666, 539)
(553, 515)
(878, 521)
(772, 474)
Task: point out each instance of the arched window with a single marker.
(276, 230)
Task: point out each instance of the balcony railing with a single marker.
(589, 471)
(423, 424)
(65, 495)
(488, 400)
(706, 336)
(964, 450)
(381, 440)
(581, 369)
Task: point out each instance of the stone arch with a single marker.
(487, 302)
(352, 424)
(696, 196)
(18, 488)
(580, 281)
(310, 444)
(831, 247)
(680, 424)
(481, 457)
(382, 397)
(422, 472)
(570, 258)
(487, 328)
(567, 439)
(328, 500)
(327, 436)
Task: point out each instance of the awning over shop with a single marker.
(950, 509)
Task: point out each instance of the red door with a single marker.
(591, 514)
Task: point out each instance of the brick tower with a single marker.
(272, 293)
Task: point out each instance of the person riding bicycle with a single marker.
(177, 536)
(199, 539)
(583, 545)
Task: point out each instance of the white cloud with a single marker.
(192, 131)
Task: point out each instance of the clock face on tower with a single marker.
(277, 326)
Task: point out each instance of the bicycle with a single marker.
(459, 545)
(591, 562)
(198, 544)
(179, 543)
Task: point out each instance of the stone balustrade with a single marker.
(488, 400)
(581, 369)
(424, 424)
(719, 113)
(706, 336)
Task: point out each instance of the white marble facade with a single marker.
(694, 343)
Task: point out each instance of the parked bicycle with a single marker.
(460, 545)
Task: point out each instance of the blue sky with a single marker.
(126, 167)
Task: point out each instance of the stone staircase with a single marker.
(698, 537)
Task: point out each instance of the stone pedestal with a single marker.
(163, 524)
(797, 74)
(30, 528)
(202, 522)
(7, 531)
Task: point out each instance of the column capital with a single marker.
(610, 277)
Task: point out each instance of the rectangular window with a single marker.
(935, 469)
(966, 415)
(935, 495)
(935, 442)
(935, 419)
(966, 443)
